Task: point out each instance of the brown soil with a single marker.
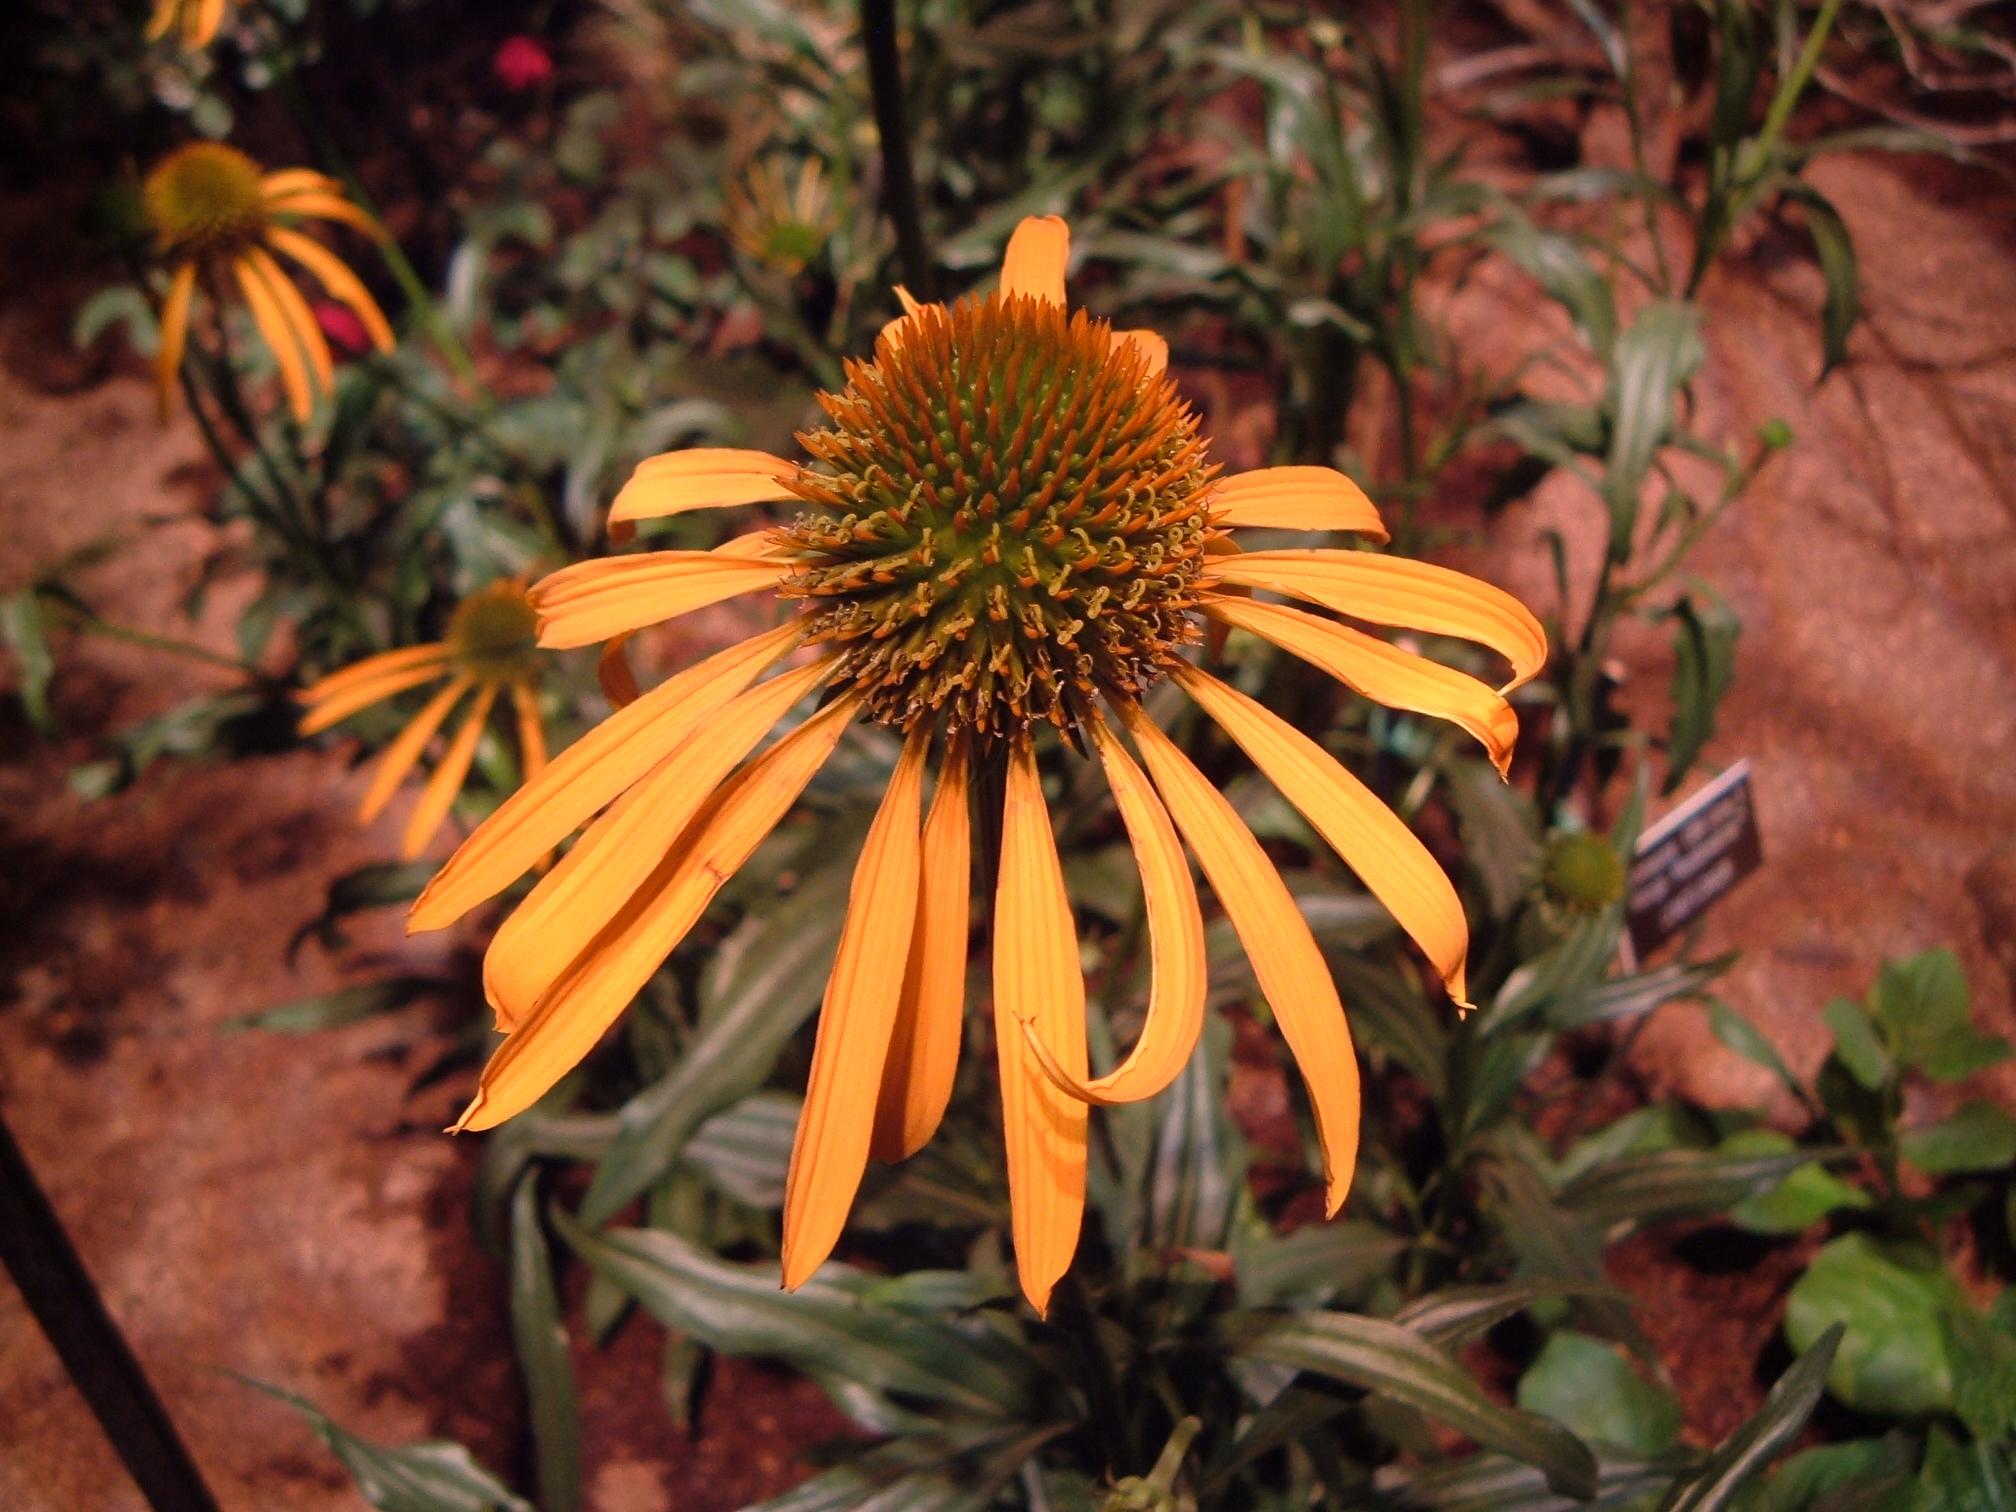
(285, 1207)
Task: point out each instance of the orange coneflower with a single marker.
(194, 21)
(216, 213)
(491, 645)
(1011, 522)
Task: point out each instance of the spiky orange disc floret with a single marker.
(1014, 513)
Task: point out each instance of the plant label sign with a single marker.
(1691, 858)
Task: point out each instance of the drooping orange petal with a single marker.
(446, 780)
(299, 318)
(1176, 942)
(587, 776)
(705, 477)
(1286, 961)
(1034, 262)
(830, 1149)
(343, 285)
(531, 731)
(1037, 979)
(1387, 856)
(326, 205)
(594, 600)
(924, 1047)
(282, 182)
(280, 338)
(400, 756)
(567, 1020)
(361, 694)
(162, 18)
(1296, 498)
(1154, 349)
(174, 334)
(1389, 590)
(371, 668)
(571, 902)
(209, 17)
(1383, 673)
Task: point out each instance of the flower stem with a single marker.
(899, 179)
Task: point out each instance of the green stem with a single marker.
(440, 331)
(96, 626)
(899, 178)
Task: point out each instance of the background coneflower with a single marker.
(491, 646)
(219, 220)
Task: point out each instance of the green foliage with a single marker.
(430, 1476)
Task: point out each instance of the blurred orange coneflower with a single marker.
(491, 645)
(216, 215)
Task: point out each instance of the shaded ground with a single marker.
(286, 1208)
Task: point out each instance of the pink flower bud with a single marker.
(346, 333)
(522, 63)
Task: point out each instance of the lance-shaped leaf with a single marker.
(1395, 1363)
(1753, 1446)
(739, 1041)
(433, 1475)
(826, 1329)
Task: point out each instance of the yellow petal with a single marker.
(567, 1021)
(531, 731)
(326, 205)
(174, 334)
(335, 275)
(1290, 969)
(371, 668)
(300, 319)
(280, 338)
(446, 779)
(708, 477)
(1036, 978)
(924, 1047)
(1385, 854)
(594, 600)
(1296, 498)
(1034, 263)
(1383, 673)
(830, 1150)
(401, 755)
(285, 181)
(587, 776)
(1153, 348)
(1390, 590)
(361, 695)
(1176, 943)
(570, 903)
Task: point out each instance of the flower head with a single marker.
(775, 222)
(491, 646)
(194, 22)
(1010, 525)
(522, 63)
(218, 218)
